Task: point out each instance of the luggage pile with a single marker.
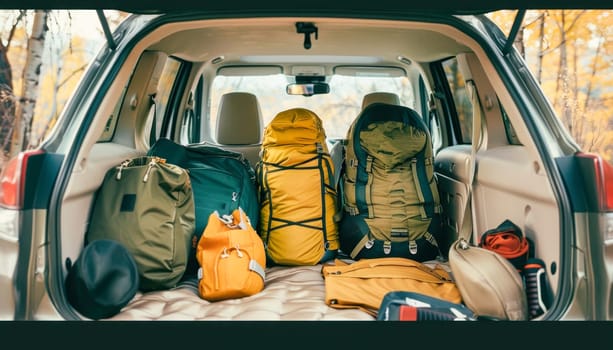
(373, 222)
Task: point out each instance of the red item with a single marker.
(506, 244)
(408, 313)
(508, 241)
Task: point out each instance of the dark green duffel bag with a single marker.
(147, 205)
(222, 181)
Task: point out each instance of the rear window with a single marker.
(336, 109)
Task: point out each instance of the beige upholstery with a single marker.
(291, 293)
(295, 293)
(384, 97)
(240, 124)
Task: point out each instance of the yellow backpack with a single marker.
(231, 257)
(297, 190)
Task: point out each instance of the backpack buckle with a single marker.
(369, 243)
(387, 247)
(413, 247)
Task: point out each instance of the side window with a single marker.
(463, 105)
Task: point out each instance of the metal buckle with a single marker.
(413, 247)
(387, 247)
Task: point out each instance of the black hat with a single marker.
(103, 279)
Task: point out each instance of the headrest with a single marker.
(383, 97)
(239, 119)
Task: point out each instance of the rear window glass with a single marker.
(336, 109)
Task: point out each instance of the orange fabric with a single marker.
(228, 252)
(507, 244)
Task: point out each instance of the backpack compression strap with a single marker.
(322, 162)
(363, 162)
(361, 244)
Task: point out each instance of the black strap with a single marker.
(153, 131)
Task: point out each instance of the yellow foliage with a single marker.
(574, 52)
(576, 45)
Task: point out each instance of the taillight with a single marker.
(603, 180)
(12, 180)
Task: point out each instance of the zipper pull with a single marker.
(152, 163)
(238, 251)
(120, 168)
(225, 254)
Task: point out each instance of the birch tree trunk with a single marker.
(24, 111)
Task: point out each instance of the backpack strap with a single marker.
(153, 109)
(363, 162)
(325, 186)
(424, 192)
(324, 165)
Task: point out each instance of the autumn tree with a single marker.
(24, 111)
(570, 53)
(38, 74)
(7, 97)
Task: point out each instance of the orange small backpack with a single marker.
(231, 256)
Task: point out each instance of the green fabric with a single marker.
(147, 205)
(392, 143)
(389, 186)
(222, 180)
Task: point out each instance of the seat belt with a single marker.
(469, 217)
(153, 131)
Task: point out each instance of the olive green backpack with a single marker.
(390, 197)
(147, 205)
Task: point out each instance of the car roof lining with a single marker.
(234, 39)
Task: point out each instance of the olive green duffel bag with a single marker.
(147, 205)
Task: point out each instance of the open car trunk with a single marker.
(513, 178)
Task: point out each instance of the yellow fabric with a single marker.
(364, 283)
(295, 208)
(225, 251)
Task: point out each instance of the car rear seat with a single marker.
(240, 125)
